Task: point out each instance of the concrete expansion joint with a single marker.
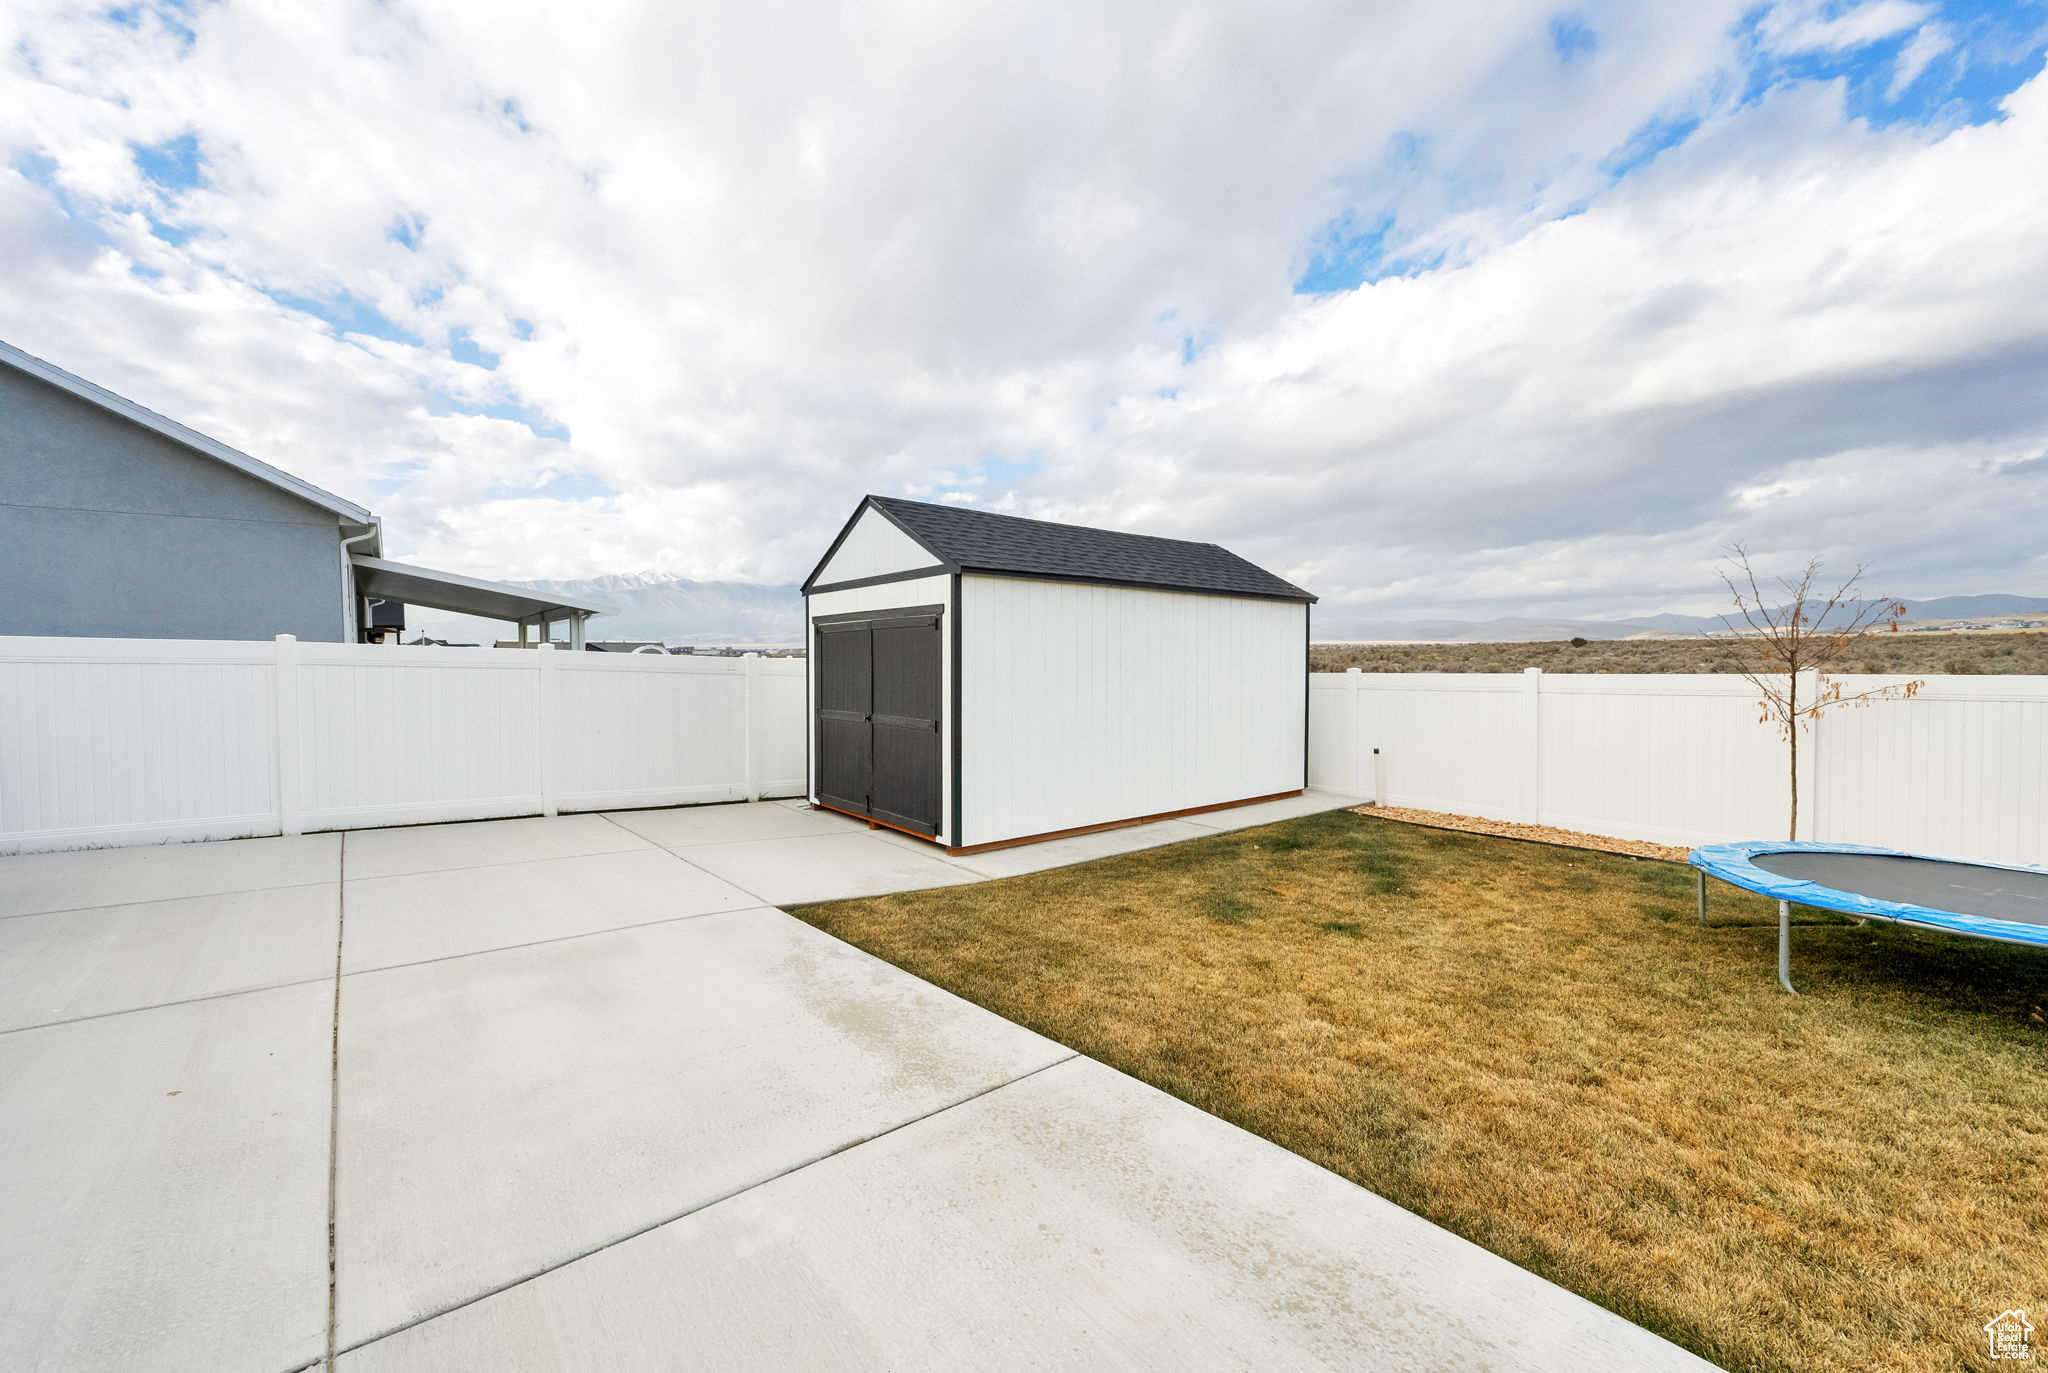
(652, 1226)
(161, 1005)
(334, 1097)
(552, 939)
(671, 852)
(117, 905)
(507, 863)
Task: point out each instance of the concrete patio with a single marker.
(573, 1094)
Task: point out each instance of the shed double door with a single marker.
(878, 716)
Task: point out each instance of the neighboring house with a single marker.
(118, 523)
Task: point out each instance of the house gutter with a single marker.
(352, 618)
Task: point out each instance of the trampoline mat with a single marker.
(1965, 888)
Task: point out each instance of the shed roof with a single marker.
(972, 540)
(178, 433)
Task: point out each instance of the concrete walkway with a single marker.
(574, 1095)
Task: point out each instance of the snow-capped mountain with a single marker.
(653, 606)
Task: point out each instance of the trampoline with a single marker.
(1970, 896)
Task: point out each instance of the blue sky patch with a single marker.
(1347, 255)
(990, 476)
(563, 486)
(172, 14)
(463, 348)
(169, 233)
(407, 230)
(513, 412)
(1642, 146)
(1572, 37)
(510, 109)
(1977, 53)
(175, 164)
(1993, 49)
(40, 170)
(440, 403)
(346, 313)
(519, 414)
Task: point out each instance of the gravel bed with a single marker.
(1542, 834)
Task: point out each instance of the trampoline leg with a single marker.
(1785, 946)
(1703, 897)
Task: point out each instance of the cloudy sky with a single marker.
(1437, 307)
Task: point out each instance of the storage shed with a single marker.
(983, 680)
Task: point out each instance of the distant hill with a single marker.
(1334, 624)
(650, 605)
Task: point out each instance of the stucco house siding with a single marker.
(109, 529)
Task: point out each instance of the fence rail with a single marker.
(138, 741)
(1958, 769)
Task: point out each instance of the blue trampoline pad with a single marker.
(2004, 901)
(1964, 888)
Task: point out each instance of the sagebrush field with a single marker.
(2022, 652)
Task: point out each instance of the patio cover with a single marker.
(424, 586)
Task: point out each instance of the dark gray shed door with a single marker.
(878, 716)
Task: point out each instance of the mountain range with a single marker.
(649, 605)
(1334, 623)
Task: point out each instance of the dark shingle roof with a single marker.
(980, 541)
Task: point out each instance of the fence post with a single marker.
(550, 727)
(750, 667)
(1809, 765)
(1532, 720)
(291, 818)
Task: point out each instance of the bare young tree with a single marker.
(1809, 631)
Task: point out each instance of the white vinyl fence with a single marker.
(1959, 769)
(138, 741)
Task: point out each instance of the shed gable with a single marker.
(873, 547)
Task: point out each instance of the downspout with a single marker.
(352, 620)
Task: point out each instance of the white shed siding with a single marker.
(874, 548)
(937, 591)
(1085, 704)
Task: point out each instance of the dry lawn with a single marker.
(1541, 1050)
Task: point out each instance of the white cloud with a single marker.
(1816, 24)
(760, 259)
(1926, 44)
